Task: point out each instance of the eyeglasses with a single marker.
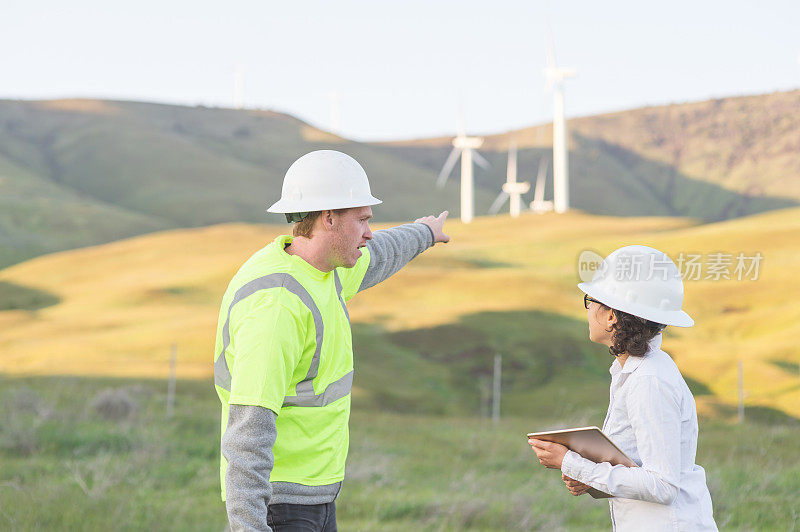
(587, 300)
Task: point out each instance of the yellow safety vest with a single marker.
(284, 343)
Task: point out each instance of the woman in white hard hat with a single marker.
(652, 416)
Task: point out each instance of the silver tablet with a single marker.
(591, 443)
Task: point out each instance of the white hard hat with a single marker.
(322, 180)
(641, 281)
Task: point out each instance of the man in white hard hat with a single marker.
(283, 357)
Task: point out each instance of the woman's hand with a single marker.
(575, 487)
(550, 454)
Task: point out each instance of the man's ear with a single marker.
(326, 217)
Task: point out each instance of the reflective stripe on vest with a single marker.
(338, 284)
(305, 388)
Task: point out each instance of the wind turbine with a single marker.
(539, 205)
(464, 147)
(555, 82)
(512, 190)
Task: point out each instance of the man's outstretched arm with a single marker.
(391, 249)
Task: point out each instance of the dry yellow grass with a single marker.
(123, 304)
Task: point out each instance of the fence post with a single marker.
(498, 368)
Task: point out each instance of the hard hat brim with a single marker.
(285, 206)
(676, 318)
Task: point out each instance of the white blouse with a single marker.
(653, 419)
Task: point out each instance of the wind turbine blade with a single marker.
(448, 167)
(498, 202)
(480, 160)
(551, 70)
(551, 49)
(462, 132)
(542, 169)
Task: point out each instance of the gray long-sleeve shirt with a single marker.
(251, 431)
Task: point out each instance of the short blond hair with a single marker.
(305, 226)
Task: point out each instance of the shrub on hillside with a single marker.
(114, 404)
(23, 411)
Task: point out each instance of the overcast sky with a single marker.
(399, 68)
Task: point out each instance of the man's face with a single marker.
(350, 232)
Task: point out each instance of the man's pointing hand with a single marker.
(436, 223)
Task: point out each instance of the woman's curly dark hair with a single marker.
(631, 334)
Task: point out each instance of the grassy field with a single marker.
(98, 454)
(86, 335)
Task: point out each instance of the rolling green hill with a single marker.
(712, 160)
(83, 172)
(425, 339)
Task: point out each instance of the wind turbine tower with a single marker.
(465, 147)
(511, 188)
(555, 81)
